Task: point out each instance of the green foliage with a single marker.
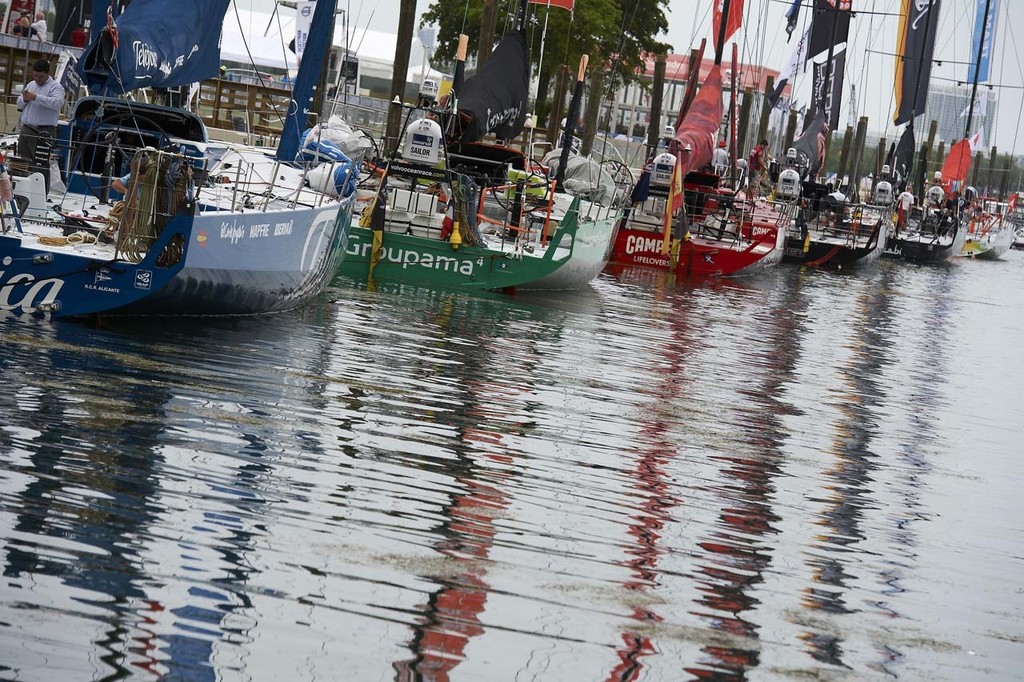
(614, 33)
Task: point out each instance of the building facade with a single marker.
(628, 111)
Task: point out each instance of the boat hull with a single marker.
(254, 263)
(990, 246)
(703, 255)
(36, 280)
(231, 264)
(835, 252)
(575, 254)
(923, 248)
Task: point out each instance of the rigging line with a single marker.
(280, 33)
(938, 62)
(238, 18)
(342, 83)
(1009, 27)
(270, 21)
(625, 26)
(990, 86)
(366, 29)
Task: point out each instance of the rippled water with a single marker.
(807, 475)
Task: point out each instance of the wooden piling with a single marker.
(654, 126)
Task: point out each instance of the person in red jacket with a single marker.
(757, 164)
(79, 37)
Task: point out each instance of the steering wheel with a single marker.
(143, 124)
(619, 171)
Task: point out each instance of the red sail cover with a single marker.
(732, 23)
(956, 167)
(699, 129)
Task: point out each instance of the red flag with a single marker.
(733, 21)
(564, 4)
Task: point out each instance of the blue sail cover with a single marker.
(156, 45)
(321, 35)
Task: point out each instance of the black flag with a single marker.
(493, 100)
(914, 48)
(810, 146)
(830, 102)
(901, 161)
(827, 14)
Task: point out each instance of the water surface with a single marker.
(805, 475)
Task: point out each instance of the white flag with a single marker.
(794, 67)
(303, 22)
(976, 141)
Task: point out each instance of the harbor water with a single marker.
(803, 475)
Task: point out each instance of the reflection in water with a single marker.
(481, 473)
(849, 494)
(644, 481)
(738, 551)
(654, 491)
(83, 489)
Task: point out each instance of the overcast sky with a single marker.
(870, 67)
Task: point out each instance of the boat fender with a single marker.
(6, 189)
(455, 239)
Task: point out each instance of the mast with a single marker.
(977, 71)
(720, 43)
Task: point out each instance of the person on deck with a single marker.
(904, 202)
(757, 165)
(40, 102)
(720, 158)
(121, 184)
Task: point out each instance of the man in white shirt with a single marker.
(40, 102)
(866, 184)
(903, 203)
(720, 158)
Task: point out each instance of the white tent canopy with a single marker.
(263, 51)
(267, 36)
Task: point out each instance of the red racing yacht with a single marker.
(687, 216)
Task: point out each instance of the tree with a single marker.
(615, 34)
